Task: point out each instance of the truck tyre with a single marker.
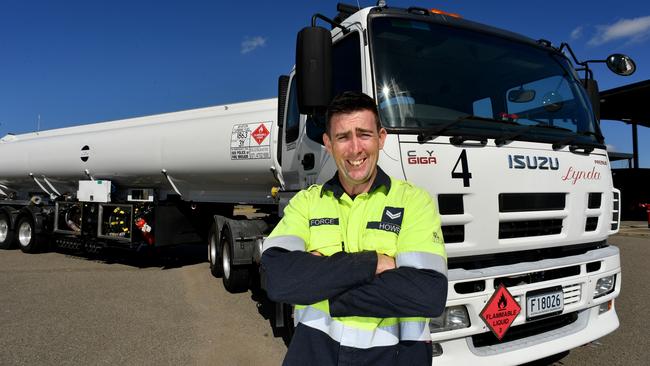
(214, 252)
(235, 278)
(6, 234)
(26, 235)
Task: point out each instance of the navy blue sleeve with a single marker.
(401, 292)
(297, 277)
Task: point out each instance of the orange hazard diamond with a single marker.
(260, 133)
(500, 311)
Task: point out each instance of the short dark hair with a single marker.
(348, 102)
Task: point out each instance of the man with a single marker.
(362, 253)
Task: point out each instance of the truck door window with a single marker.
(346, 64)
(293, 115)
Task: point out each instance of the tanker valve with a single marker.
(146, 230)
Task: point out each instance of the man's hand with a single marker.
(384, 263)
(316, 253)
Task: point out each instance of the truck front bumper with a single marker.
(583, 319)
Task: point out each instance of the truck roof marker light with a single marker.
(441, 12)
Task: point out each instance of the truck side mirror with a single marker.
(591, 86)
(313, 69)
(621, 64)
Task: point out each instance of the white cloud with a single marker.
(632, 30)
(576, 33)
(251, 43)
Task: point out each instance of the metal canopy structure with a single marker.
(628, 104)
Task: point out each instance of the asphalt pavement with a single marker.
(124, 309)
(630, 343)
(119, 309)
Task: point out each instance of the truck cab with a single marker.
(502, 132)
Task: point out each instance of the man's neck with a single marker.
(354, 190)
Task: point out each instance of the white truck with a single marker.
(496, 126)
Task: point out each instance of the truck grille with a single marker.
(453, 233)
(571, 294)
(535, 277)
(591, 224)
(526, 228)
(615, 210)
(523, 202)
(595, 199)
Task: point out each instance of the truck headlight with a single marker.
(454, 317)
(605, 285)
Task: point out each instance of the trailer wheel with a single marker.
(26, 235)
(235, 278)
(6, 234)
(216, 264)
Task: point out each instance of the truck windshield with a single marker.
(430, 76)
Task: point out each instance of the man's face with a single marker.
(354, 143)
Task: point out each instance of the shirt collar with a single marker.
(334, 185)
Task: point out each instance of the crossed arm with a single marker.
(364, 283)
(356, 284)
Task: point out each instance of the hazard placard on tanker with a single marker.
(251, 141)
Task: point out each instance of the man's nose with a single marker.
(356, 145)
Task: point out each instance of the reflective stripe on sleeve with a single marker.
(288, 242)
(363, 338)
(415, 331)
(422, 260)
(345, 334)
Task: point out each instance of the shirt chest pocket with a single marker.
(381, 241)
(325, 239)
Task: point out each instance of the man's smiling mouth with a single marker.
(356, 163)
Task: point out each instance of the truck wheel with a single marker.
(26, 235)
(235, 278)
(216, 266)
(6, 235)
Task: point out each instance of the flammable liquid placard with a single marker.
(500, 311)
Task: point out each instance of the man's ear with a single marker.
(382, 137)
(327, 142)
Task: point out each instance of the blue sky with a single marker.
(75, 62)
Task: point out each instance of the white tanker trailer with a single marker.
(496, 126)
(200, 155)
(149, 181)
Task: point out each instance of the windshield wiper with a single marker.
(430, 133)
(574, 145)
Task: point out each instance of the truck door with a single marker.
(289, 140)
(303, 153)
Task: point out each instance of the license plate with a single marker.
(545, 302)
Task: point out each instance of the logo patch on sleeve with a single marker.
(393, 215)
(391, 220)
(324, 221)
